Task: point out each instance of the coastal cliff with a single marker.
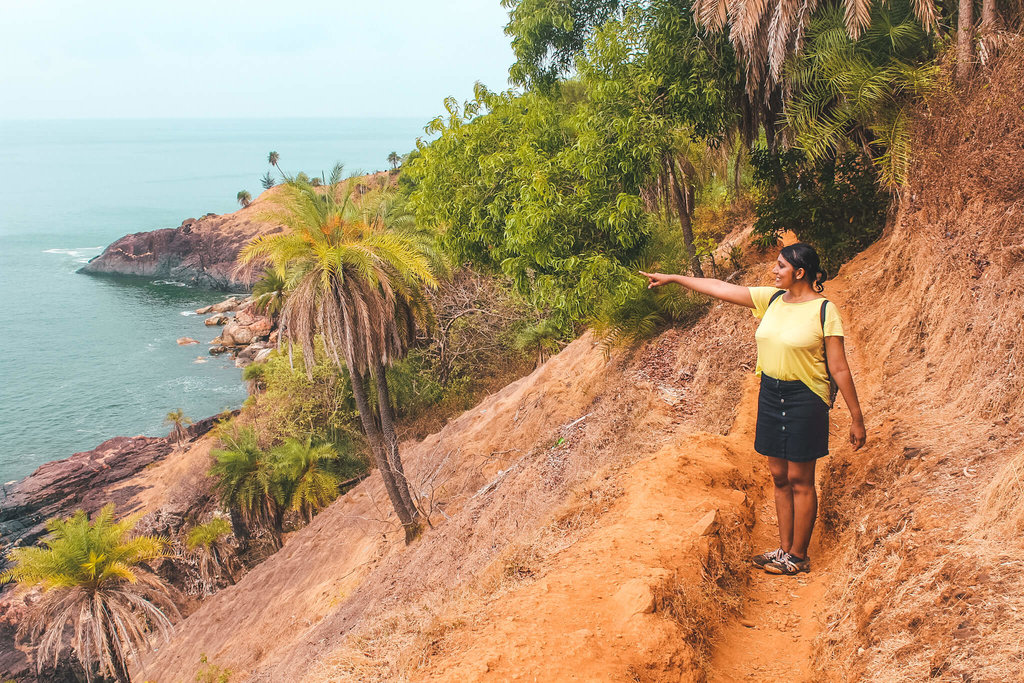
(199, 252)
(85, 481)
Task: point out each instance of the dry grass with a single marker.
(1002, 508)
(701, 608)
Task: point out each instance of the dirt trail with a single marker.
(779, 620)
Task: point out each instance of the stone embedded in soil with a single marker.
(634, 597)
(707, 525)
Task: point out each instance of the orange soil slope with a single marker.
(623, 603)
(516, 479)
(318, 571)
(547, 543)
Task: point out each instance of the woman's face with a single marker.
(785, 276)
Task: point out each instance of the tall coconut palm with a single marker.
(244, 198)
(179, 423)
(360, 292)
(247, 482)
(95, 589)
(273, 159)
(394, 160)
(311, 486)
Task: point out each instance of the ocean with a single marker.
(87, 358)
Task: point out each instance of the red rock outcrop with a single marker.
(84, 481)
(200, 252)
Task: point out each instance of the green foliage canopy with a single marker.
(549, 188)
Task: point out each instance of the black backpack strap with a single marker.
(831, 382)
(775, 296)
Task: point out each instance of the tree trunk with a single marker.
(682, 209)
(737, 171)
(239, 527)
(965, 40)
(120, 670)
(373, 435)
(988, 16)
(277, 514)
(390, 442)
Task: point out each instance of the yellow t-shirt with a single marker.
(789, 339)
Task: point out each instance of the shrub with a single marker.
(834, 204)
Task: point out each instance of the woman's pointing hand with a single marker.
(656, 279)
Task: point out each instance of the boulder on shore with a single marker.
(229, 304)
(217, 350)
(218, 319)
(185, 341)
(204, 310)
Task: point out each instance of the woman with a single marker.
(794, 343)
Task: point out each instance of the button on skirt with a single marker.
(792, 421)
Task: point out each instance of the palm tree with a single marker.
(764, 34)
(269, 292)
(273, 158)
(208, 544)
(394, 160)
(244, 198)
(861, 90)
(178, 421)
(95, 589)
(359, 292)
(247, 482)
(311, 486)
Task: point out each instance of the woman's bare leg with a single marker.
(805, 504)
(783, 500)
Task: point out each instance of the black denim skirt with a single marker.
(792, 421)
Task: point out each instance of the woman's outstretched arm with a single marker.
(726, 291)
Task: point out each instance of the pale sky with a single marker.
(219, 58)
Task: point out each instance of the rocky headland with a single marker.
(85, 481)
(199, 252)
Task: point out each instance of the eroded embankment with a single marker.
(928, 521)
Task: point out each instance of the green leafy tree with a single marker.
(557, 190)
(247, 482)
(835, 204)
(548, 34)
(95, 589)
(360, 293)
(179, 423)
(311, 484)
(244, 198)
